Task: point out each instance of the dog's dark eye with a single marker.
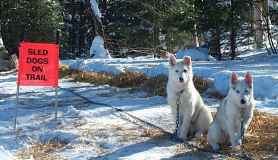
(246, 91)
(177, 71)
(184, 70)
(237, 91)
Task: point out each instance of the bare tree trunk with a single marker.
(218, 45)
(233, 43)
(195, 37)
(233, 31)
(1, 41)
(103, 5)
(258, 24)
(215, 48)
(195, 34)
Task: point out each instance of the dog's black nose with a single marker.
(181, 79)
(242, 101)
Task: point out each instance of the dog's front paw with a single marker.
(237, 144)
(199, 134)
(181, 136)
(236, 140)
(174, 137)
(236, 148)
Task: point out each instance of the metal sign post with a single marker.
(56, 88)
(56, 103)
(17, 103)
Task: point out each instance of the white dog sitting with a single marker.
(194, 117)
(235, 113)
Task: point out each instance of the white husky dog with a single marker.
(235, 113)
(194, 116)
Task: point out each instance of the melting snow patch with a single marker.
(57, 136)
(71, 111)
(5, 155)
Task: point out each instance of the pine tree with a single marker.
(30, 20)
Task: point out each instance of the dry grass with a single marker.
(64, 71)
(92, 134)
(153, 86)
(263, 139)
(128, 79)
(216, 95)
(157, 85)
(153, 133)
(201, 84)
(41, 151)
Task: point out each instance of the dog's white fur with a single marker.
(194, 116)
(226, 126)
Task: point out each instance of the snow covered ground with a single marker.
(90, 131)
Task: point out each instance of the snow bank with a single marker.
(204, 71)
(73, 64)
(161, 69)
(97, 49)
(222, 81)
(196, 54)
(265, 87)
(1, 43)
(100, 67)
(5, 155)
(94, 65)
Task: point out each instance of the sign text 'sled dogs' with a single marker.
(38, 64)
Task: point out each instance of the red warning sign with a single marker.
(38, 64)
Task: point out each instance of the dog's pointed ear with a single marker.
(234, 78)
(172, 60)
(248, 79)
(187, 60)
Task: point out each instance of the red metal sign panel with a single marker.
(38, 64)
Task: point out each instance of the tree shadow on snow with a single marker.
(136, 148)
(194, 155)
(155, 146)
